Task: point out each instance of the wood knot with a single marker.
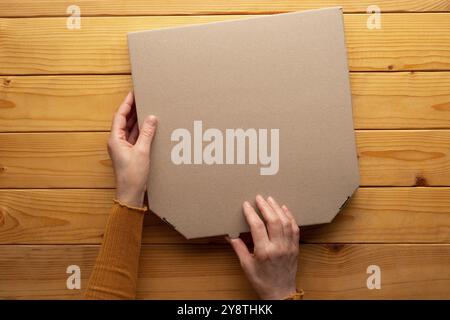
(391, 67)
(334, 247)
(2, 169)
(106, 162)
(6, 82)
(421, 182)
(2, 218)
(5, 104)
(442, 107)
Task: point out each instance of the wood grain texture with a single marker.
(54, 216)
(404, 158)
(60, 103)
(401, 100)
(398, 100)
(389, 215)
(80, 160)
(74, 81)
(32, 8)
(409, 41)
(213, 272)
(55, 160)
(78, 216)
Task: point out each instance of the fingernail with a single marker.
(259, 197)
(269, 198)
(283, 207)
(152, 120)
(246, 204)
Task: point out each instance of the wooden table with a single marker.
(59, 88)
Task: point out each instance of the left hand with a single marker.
(129, 150)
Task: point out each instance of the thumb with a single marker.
(147, 133)
(240, 248)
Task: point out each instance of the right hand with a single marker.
(272, 267)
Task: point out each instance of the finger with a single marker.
(273, 221)
(285, 221)
(126, 105)
(295, 228)
(132, 119)
(134, 133)
(257, 227)
(241, 249)
(118, 128)
(129, 99)
(147, 133)
(120, 117)
(133, 107)
(288, 213)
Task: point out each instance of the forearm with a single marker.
(115, 272)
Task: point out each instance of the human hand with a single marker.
(272, 267)
(129, 150)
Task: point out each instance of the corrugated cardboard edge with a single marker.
(358, 177)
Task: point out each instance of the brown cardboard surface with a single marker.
(287, 72)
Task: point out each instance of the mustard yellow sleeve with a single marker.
(115, 271)
(298, 295)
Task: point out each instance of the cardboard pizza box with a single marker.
(253, 106)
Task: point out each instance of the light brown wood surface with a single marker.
(80, 160)
(60, 87)
(409, 41)
(374, 215)
(31, 8)
(396, 100)
(213, 272)
(60, 103)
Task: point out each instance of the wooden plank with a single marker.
(60, 103)
(80, 160)
(213, 272)
(399, 100)
(55, 160)
(33, 8)
(45, 46)
(78, 216)
(54, 216)
(389, 215)
(404, 158)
